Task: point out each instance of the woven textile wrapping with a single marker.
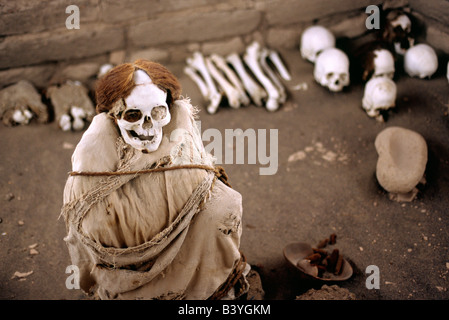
(160, 235)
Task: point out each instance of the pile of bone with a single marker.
(331, 65)
(419, 61)
(321, 263)
(240, 80)
(71, 105)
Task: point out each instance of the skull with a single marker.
(383, 63)
(401, 31)
(420, 61)
(314, 40)
(142, 115)
(332, 69)
(380, 94)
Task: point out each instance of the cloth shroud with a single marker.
(162, 235)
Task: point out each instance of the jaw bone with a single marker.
(251, 58)
(221, 63)
(198, 63)
(256, 92)
(264, 53)
(230, 92)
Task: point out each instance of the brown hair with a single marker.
(118, 83)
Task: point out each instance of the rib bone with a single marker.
(251, 57)
(221, 63)
(256, 92)
(231, 93)
(198, 63)
(264, 53)
(277, 61)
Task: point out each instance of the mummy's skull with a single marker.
(332, 69)
(314, 40)
(143, 114)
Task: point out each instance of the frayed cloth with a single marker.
(151, 235)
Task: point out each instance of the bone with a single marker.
(17, 116)
(198, 63)
(221, 63)
(22, 95)
(64, 97)
(264, 53)
(202, 86)
(231, 93)
(78, 115)
(256, 92)
(277, 61)
(251, 58)
(65, 122)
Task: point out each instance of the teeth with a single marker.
(140, 137)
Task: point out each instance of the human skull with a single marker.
(142, 115)
(332, 69)
(402, 28)
(421, 61)
(383, 63)
(380, 94)
(314, 40)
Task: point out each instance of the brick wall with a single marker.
(36, 45)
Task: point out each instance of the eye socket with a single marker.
(329, 75)
(132, 115)
(159, 113)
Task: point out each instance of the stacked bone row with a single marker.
(331, 65)
(241, 80)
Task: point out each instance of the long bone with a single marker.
(198, 63)
(264, 53)
(255, 91)
(279, 64)
(251, 58)
(230, 92)
(221, 63)
(198, 81)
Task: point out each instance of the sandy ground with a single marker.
(331, 190)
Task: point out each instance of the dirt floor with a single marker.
(331, 190)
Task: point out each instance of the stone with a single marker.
(38, 75)
(286, 38)
(402, 159)
(284, 12)
(191, 28)
(224, 47)
(60, 44)
(152, 54)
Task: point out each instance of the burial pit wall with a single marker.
(36, 44)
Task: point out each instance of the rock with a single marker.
(326, 292)
(21, 99)
(402, 159)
